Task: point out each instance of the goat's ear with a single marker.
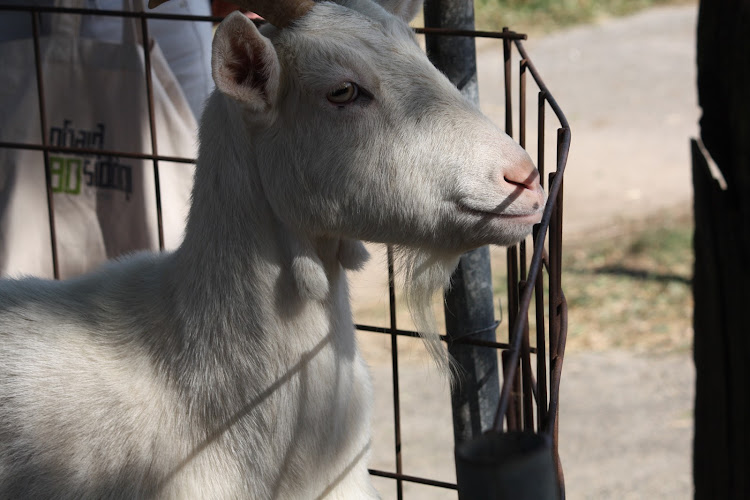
(244, 63)
(405, 9)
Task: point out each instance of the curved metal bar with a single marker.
(515, 349)
(543, 87)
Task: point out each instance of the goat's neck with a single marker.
(235, 261)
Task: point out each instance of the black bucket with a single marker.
(506, 466)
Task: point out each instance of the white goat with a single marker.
(229, 368)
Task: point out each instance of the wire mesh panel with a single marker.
(62, 143)
(531, 352)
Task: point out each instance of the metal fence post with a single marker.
(469, 304)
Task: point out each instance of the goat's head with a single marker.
(360, 136)
(367, 139)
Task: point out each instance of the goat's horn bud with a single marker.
(280, 13)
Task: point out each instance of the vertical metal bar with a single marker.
(540, 135)
(152, 127)
(469, 305)
(541, 351)
(527, 391)
(511, 416)
(469, 311)
(512, 280)
(516, 269)
(45, 152)
(554, 286)
(514, 403)
(526, 381)
(556, 257)
(522, 142)
(561, 155)
(454, 56)
(522, 104)
(554, 318)
(515, 407)
(394, 361)
(508, 94)
(541, 339)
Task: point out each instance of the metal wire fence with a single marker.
(529, 399)
(537, 310)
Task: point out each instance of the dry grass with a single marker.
(541, 16)
(633, 290)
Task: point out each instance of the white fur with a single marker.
(229, 368)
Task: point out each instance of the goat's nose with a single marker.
(524, 177)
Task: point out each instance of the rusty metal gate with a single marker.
(531, 357)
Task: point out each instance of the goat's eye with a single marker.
(344, 93)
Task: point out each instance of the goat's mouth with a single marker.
(533, 217)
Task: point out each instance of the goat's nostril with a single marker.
(529, 181)
(516, 183)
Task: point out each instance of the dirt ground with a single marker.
(627, 87)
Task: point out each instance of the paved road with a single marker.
(628, 89)
(625, 427)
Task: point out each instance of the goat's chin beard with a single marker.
(425, 273)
